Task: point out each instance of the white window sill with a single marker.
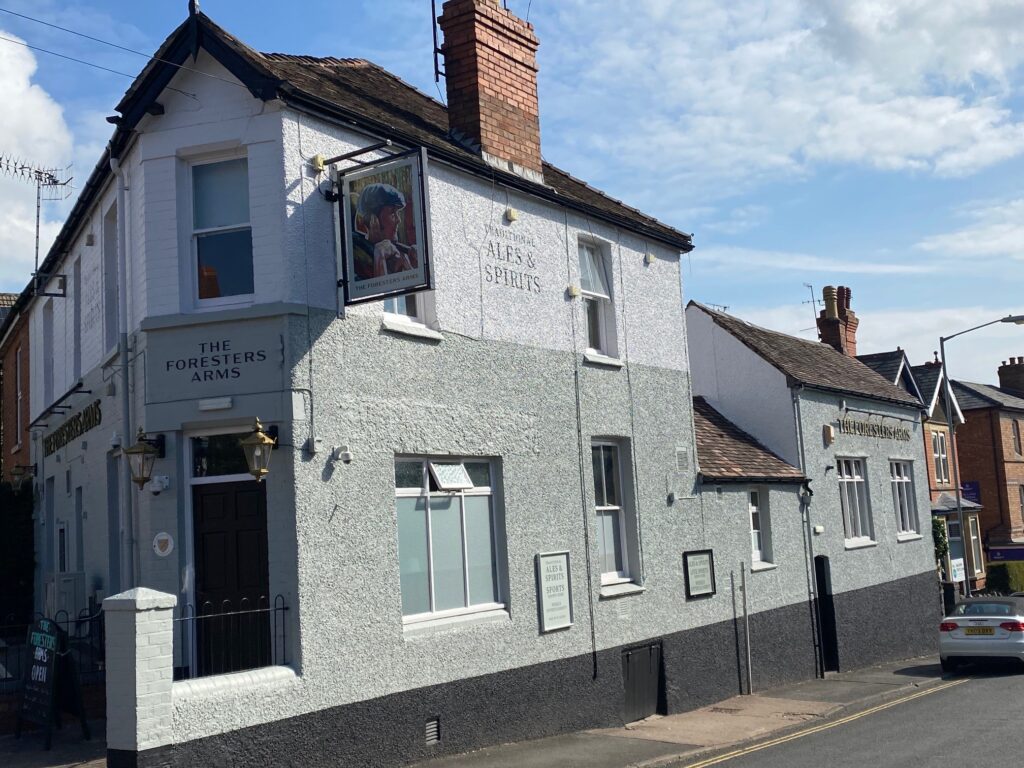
(908, 537)
(860, 543)
(397, 325)
(763, 565)
(427, 626)
(596, 358)
(621, 590)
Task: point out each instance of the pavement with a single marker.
(657, 742)
(725, 727)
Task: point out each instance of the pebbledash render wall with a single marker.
(885, 592)
(504, 377)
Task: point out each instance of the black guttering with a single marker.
(751, 479)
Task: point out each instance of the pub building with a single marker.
(370, 428)
(856, 438)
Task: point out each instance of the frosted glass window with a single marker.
(593, 275)
(448, 541)
(412, 555)
(447, 554)
(481, 562)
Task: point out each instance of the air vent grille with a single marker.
(682, 460)
(433, 731)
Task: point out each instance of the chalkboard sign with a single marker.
(50, 681)
(39, 684)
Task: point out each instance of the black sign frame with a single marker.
(417, 160)
(694, 555)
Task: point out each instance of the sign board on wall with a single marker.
(88, 418)
(1005, 554)
(201, 361)
(866, 428)
(699, 568)
(384, 217)
(958, 572)
(554, 591)
(971, 490)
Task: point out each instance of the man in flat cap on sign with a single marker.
(377, 250)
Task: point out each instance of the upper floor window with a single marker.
(760, 535)
(941, 458)
(1016, 437)
(595, 287)
(17, 397)
(902, 479)
(853, 498)
(221, 234)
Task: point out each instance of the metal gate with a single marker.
(642, 677)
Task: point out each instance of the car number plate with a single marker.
(978, 631)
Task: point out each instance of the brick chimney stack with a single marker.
(1011, 375)
(837, 323)
(490, 62)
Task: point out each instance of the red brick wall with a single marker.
(984, 443)
(1013, 470)
(490, 62)
(13, 453)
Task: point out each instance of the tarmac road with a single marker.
(977, 722)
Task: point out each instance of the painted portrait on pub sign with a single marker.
(383, 210)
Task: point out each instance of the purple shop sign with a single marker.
(971, 490)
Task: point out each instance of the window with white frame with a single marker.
(1016, 436)
(599, 309)
(221, 233)
(612, 515)
(941, 458)
(977, 558)
(901, 477)
(448, 537)
(760, 533)
(853, 497)
(17, 397)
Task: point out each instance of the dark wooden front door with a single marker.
(232, 577)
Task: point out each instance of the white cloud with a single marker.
(739, 219)
(996, 230)
(973, 358)
(34, 132)
(749, 258)
(718, 97)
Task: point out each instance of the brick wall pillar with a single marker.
(140, 671)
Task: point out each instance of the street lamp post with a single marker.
(951, 424)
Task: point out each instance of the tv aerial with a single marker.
(51, 184)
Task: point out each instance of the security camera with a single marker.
(158, 484)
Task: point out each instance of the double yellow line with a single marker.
(823, 727)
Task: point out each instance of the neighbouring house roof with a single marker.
(946, 503)
(811, 363)
(727, 453)
(974, 396)
(352, 91)
(929, 377)
(888, 365)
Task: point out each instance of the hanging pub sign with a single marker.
(384, 228)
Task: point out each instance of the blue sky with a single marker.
(878, 145)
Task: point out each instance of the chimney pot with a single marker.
(837, 323)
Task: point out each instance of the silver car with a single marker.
(982, 628)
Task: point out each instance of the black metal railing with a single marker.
(85, 643)
(217, 639)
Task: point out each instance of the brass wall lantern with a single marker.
(142, 455)
(257, 447)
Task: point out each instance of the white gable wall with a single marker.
(740, 384)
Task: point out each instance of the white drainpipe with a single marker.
(129, 545)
